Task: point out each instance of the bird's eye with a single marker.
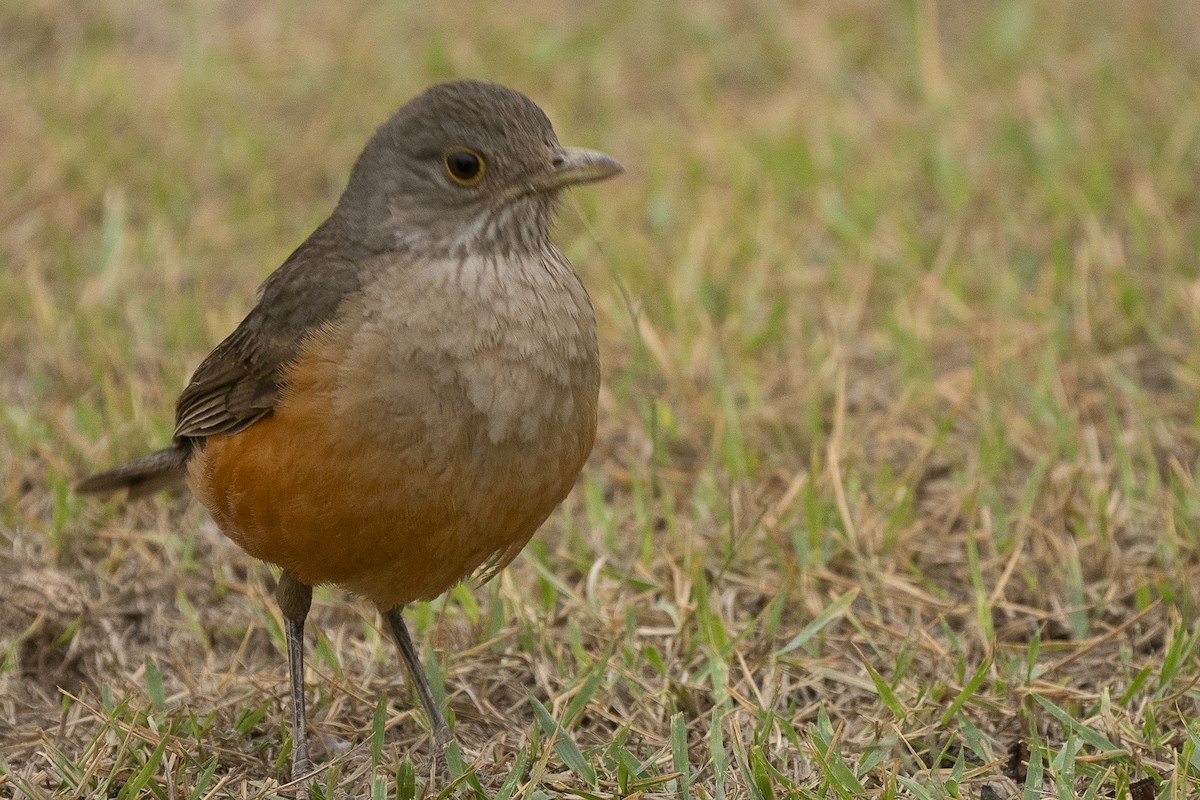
(464, 166)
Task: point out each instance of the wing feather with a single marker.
(240, 381)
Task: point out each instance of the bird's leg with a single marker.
(294, 599)
(416, 672)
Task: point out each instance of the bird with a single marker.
(414, 390)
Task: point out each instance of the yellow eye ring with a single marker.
(464, 166)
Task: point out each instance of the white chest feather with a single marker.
(460, 361)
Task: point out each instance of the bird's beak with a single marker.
(575, 165)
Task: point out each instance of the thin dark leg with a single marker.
(416, 672)
(294, 600)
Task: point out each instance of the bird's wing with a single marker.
(240, 380)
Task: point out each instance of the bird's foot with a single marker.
(302, 776)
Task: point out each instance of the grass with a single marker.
(894, 493)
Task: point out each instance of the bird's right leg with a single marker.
(294, 599)
(420, 681)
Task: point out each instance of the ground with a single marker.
(894, 493)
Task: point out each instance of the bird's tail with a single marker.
(142, 476)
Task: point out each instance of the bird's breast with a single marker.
(457, 360)
(428, 431)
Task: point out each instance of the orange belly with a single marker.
(308, 490)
